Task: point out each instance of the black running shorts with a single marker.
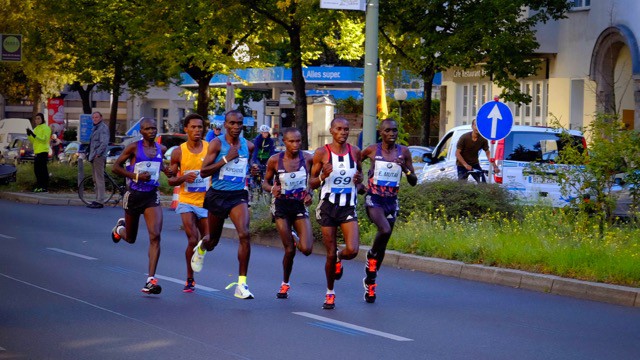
(389, 205)
(136, 202)
(289, 209)
(332, 215)
(220, 202)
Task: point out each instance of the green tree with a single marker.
(205, 38)
(430, 36)
(102, 41)
(308, 30)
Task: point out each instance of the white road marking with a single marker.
(2, 349)
(354, 327)
(72, 254)
(168, 331)
(181, 282)
(6, 236)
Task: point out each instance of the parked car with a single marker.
(417, 156)
(20, 150)
(7, 173)
(75, 150)
(113, 151)
(514, 155)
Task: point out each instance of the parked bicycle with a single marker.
(256, 193)
(113, 190)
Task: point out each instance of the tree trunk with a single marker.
(299, 84)
(85, 95)
(202, 78)
(36, 93)
(427, 77)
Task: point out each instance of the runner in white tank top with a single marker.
(336, 167)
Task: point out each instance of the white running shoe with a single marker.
(242, 292)
(197, 260)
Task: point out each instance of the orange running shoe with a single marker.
(329, 302)
(284, 291)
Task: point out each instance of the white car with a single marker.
(514, 156)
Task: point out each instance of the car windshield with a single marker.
(536, 146)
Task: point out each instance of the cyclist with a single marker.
(214, 132)
(143, 197)
(337, 171)
(467, 150)
(264, 148)
(286, 178)
(187, 161)
(388, 162)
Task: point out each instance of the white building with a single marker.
(591, 64)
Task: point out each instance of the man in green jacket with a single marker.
(40, 137)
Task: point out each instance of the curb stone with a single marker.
(612, 294)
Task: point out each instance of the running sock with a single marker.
(330, 292)
(150, 278)
(284, 283)
(242, 279)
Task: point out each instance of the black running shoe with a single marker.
(152, 287)
(189, 286)
(369, 291)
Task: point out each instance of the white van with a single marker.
(10, 129)
(513, 155)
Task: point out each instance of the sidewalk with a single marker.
(613, 294)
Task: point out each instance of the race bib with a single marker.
(341, 181)
(234, 171)
(387, 173)
(199, 184)
(152, 167)
(293, 182)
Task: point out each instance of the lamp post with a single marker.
(400, 95)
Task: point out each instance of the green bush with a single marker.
(456, 199)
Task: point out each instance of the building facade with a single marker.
(591, 64)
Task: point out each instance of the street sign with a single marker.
(494, 120)
(272, 107)
(11, 47)
(86, 125)
(343, 4)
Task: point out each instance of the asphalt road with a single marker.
(68, 292)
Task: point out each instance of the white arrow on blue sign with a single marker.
(494, 120)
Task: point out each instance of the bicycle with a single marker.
(256, 192)
(113, 191)
(476, 175)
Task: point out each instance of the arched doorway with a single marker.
(615, 67)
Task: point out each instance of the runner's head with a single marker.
(292, 140)
(193, 126)
(233, 123)
(339, 130)
(148, 129)
(388, 131)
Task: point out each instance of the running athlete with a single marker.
(227, 163)
(337, 170)
(186, 162)
(143, 197)
(286, 179)
(388, 162)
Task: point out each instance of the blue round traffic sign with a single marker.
(494, 120)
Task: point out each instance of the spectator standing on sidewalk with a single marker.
(98, 157)
(40, 137)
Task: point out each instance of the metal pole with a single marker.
(370, 74)
(400, 109)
